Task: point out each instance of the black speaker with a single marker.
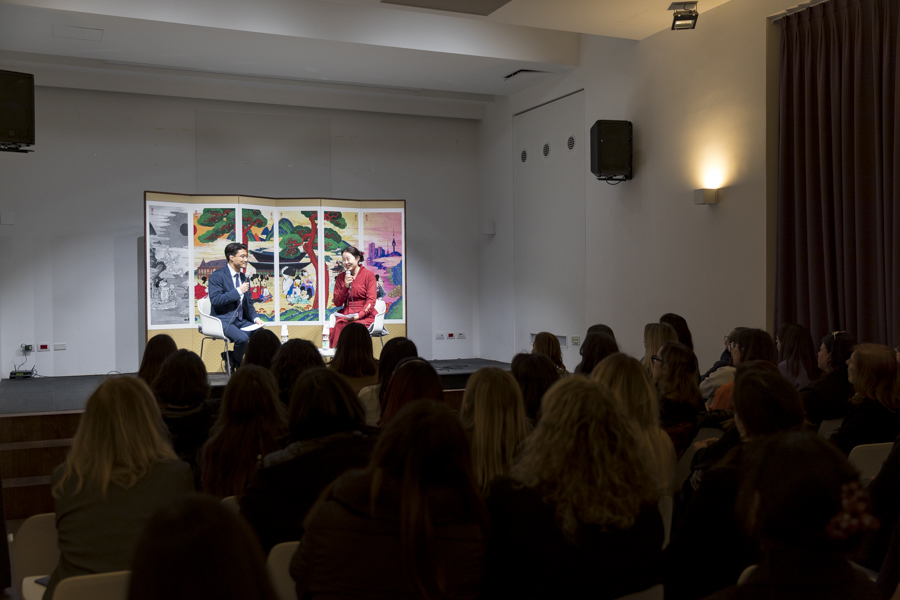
(16, 108)
(611, 150)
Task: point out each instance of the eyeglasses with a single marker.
(656, 359)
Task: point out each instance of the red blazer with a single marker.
(361, 297)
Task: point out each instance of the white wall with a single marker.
(70, 270)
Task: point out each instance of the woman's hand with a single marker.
(348, 278)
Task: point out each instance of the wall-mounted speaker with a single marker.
(611, 150)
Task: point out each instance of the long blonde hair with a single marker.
(655, 335)
(493, 415)
(120, 438)
(586, 458)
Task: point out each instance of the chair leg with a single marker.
(381, 339)
(227, 360)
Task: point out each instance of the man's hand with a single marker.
(244, 287)
(258, 321)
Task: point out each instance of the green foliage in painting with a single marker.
(221, 220)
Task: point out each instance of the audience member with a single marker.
(493, 416)
(261, 349)
(577, 518)
(327, 436)
(413, 379)
(829, 396)
(548, 344)
(196, 549)
(250, 425)
(873, 418)
(655, 335)
(601, 328)
(725, 358)
(675, 373)
(797, 355)
(803, 505)
(629, 381)
(722, 372)
(354, 358)
(595, 348)
(885, 494)
(751, 344)
(535, 373)
(410, 525)
(681, 328)
(292, 360)
(157, 350)
(371, 397)
(120, 470)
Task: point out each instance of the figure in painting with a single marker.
(200, 290)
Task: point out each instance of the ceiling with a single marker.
(358, 42)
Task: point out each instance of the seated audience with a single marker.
(873, 417)
(196, 549)
(802, 503)
(885, 493)
(724, 361)
(120, 470)
(681, 328)
(629, 381)
(751, 344)
(535, 373)
(327, 436)
(710, 534)
(577, 518)
(675, 373)
(292, 360)
(413, 379)
(261, 349)
(829, 396)
(797, 355)
(250, 425)
(655, 335)
(410, 525)
(595, 348)
(157, 350)
(354, 358)
(600, 328)
(493, 416)
(548, 344)
(371, 397)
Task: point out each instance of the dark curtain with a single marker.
(838, 252)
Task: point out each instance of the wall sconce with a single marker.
(706, 196)
(685, 15)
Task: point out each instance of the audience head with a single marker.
(596, 347)
(732, 339)
(196, 549)
(413, 379)
(600, 328)
(182, 380)
(753, 344)
(764, 401)
(395, 350)
(323, 403)
(655, 335)
(628, 379)
(835, 351)
(675, 370)
(292, 359)
(535, 373)
(493, 415)
(157, 350)
(353, 356)
(795, 346)
(681, 328)
(261, 348)
(872, 369)
(120, 437)
(548, 344)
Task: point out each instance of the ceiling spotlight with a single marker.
(685, 15)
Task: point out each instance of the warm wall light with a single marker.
(706, 196)
(685, 15)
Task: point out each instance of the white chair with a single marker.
(326, 332)
(654, 593)
(232, 504)
(742, 579)
(829, 426)
(376, 329)
(278, 566)
(100, 586)
(666, 507)
(34, 552)
(211, 329)
(868, 458)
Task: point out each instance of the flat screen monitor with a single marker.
(16, 108)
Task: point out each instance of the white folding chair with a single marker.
(666, 507)
(868, 458)
(211, 329)
(326, 333)
(376, 329)
(100, 586)
(742, 579)
(278, 566)
(232, 504)
(654, 593)
(829, 426)
(34, 551)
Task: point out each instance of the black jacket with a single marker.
(827, 397)
(868, 422)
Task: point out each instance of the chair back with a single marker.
(868, 458)
(232, 504)
(278, 566)
(654, 593)
(683, 468)
(376, 329)
(745, 574)
(34, 550)
(100, 586)
(209, 325)
(829, 426)
(666, 508)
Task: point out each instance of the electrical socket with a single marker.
(576, 340)
(43, 347)
(440, 335)
(59, 346)
(461, 335)
(451, 336)
(26, 348)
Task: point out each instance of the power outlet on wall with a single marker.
(43, 347)
(576, 340)
(461, 335)
(440, 335)
(451, 336)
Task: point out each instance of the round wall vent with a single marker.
(571, 142)
(546, 149)
(524, 156)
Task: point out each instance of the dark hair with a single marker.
(413, 379)
(293, 358)
(756, 344)
(203, 279)
(196, 549)
(182, 380)
(425, 449)
(233, 248)
(323, 403)
(377, 277)
(354, 252)
(157, 350)
(679, 380)
(353, 355)
(600, 328)
(250, 424)
(764, 400)
(797, 478)
(681, 328)
(840, 345)
(798, 350)
(596, 347)
(395, 350)
(876, 375)
(535, 374)
(547, 343)
(262, 348)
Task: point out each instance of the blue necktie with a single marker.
(237, 283)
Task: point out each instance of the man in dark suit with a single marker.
(230, 299)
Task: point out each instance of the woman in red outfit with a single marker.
(354, 293)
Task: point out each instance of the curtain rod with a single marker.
(795, 9)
